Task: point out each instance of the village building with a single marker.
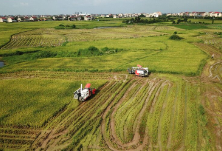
(215, 14)
(88, 17)
(115, 16)
(120, 15)
(19, 19)
(9, 20)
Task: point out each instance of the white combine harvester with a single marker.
(139, 71)
(82, 94)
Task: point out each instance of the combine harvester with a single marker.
(82, 94)
(139, 71)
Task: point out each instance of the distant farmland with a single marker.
(177, 107)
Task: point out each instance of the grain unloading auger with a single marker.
(139, 71)
(82, 94)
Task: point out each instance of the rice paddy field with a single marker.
(177, 107)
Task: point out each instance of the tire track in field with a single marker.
(125, 132)
(218, 127)
(85, 105)
(172, 121)
(79, 123)
(153, 106)
(43, 140)
(48, 132)
(161, 114)
(138, 83)
(217, 67)
(103, 130)
(135, 143)
(213, 112)
(185, 118)
(112, 122)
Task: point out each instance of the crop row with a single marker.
(86, 109)
(170, 120)
(17, 138)
(52, 37)
(34, 41)
(136, 114)
(62, 75)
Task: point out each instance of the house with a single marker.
(215, 14)
(201, 14)
(1, 20)
(115, 16)
(147, 15)
(61, 17)
(34, 18)
(9, 20)
(73, 18)
(120, 15)
(168, 14)
(26, 18)
(19, 19)
(181, 14)
(87, 17)
(31, 19)
(4, 19)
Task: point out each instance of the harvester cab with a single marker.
(139, 71)
(82, 94)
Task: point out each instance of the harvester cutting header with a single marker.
(139, 71)
(82, 94)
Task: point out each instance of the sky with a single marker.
(55, 7)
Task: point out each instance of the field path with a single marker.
(211, 74)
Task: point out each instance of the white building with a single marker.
(9, 20)
(88, 17)
(19, 19)
(115, 16)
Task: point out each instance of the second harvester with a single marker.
(139, 71)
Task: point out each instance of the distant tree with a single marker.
(175, 37)
(16, 18)
(137, 19)
(178, 21)
(142, 15)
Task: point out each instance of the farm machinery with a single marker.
(82, 94)
(139, 71)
